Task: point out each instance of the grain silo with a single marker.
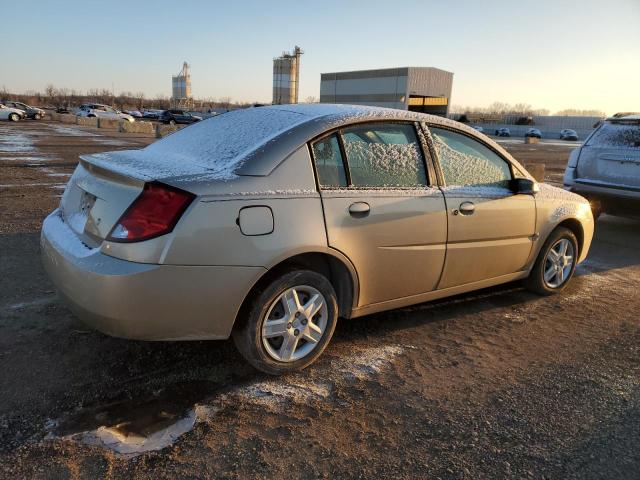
(286, 74)
(181, 87)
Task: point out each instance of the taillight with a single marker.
(155, 212)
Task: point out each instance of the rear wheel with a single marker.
(289, 323)
(555, 264)
(172, 122)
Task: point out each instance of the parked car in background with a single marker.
(568, 134)
(533, 132)
(267, 224)
(174, 116)
(152, 114)
(32, 112)
(478, 128)
(63, 109)
(503, 132)
(606, 168)
(102, 111)
(12, 114)
(133, 113)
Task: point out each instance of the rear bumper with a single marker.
(143, 301)
(614, 199)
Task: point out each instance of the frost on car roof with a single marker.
(218, 146)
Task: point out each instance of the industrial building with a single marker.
(419, 89)
(286, 75)
(181, 88)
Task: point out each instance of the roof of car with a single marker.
(254, 141)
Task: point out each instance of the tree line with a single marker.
(55, 97)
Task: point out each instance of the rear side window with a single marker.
(467, 162)
(616, 135)
(384, 155)
(329, 164)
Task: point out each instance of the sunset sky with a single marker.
(550, 54)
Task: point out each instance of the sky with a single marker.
(550, 54)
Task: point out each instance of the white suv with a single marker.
(606, 169)
(102, 111)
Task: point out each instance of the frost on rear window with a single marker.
(385, 155)
(616, 135)
(466, 162)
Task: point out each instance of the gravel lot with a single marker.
(496, 384)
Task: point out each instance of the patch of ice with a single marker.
(15, 142)
(73, 132)
(277, 393)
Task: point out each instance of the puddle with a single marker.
(134, 426)
(131, 427)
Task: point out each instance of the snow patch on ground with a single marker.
(273, 394)
(73, 132)
(15, 142)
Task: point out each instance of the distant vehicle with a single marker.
(606, 168)
(478, 129)
(63, 110)
(534, 133)
(174, 116)
(503, 132)
(102, 111)
(32, 112)
(133, 113)
(11, 114)
(568, 134)
(153, 114)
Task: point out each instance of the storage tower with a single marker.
(286, 74)
(181, 88)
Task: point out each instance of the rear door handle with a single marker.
(359, 209)
(467, 208)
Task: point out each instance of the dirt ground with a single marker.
(496, 384)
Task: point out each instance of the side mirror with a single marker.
(525, 186)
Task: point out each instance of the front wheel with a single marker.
(14, 117)
(289, 323)
(172, 122)
(555, 264)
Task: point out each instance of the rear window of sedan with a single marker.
(616, 135)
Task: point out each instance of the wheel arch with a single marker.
(338, 270)
(575, 226)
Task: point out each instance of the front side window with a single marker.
(467, 162)
(386, 155)
(329, 164)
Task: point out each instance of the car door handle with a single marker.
(467, 208)
(359, 209)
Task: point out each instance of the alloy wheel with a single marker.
(294, 323)
(559, 263)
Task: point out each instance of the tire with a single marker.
(267, 305)
(172, 122)
(536, 281)
(14, 117)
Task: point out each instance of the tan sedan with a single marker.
(269, 223)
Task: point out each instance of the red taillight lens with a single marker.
(155, 212)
